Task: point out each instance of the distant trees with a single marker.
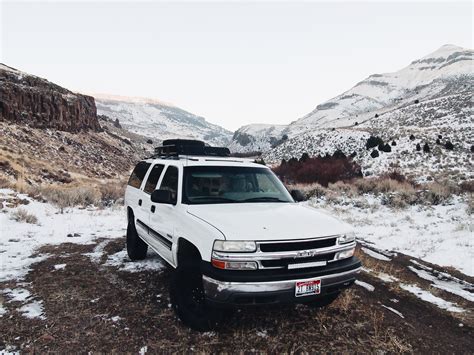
(375, 153)
(373, 142)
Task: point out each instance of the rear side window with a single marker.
(153, 178)
(170, 182)
(138, 174)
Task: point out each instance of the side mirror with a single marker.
(297, 195)
(162, 196)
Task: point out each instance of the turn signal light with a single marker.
(234, 265)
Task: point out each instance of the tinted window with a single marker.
(153, 178)
(170, 182)
(231, 184)
(138, 174)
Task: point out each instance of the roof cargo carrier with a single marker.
(173, 148)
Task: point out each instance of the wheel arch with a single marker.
(187, 253)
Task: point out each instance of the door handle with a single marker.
(139, 202)
(152, 208)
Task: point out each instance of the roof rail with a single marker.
(173, 148)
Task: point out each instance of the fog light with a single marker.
(345, 254)
(234, 265)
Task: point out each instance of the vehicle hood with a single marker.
(269, 221)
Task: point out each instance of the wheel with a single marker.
(323, 301)
(136, 247)
(188, 300)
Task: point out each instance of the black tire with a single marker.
(323, 301)
(136, 247)
(188, 300)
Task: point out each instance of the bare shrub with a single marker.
(470, 205)
(112, 192)
(323, 170)
(64, 197)
(21, 215)
(435, 194)
(467, 186)
(344, 188)
(310, 190)
(5, 183)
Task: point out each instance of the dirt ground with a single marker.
(92, 307)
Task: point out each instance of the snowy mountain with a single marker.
(423, 79)
(427, 103)
(257, 137)
(158, 120)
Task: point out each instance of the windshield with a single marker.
(231, 184)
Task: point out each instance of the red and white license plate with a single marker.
(307, 287)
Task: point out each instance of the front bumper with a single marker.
(238, 293)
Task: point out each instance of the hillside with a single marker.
(53, 135)
(36, 102)
(430, 99)
(158, 121)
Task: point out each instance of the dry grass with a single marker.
(396, 193)
(21, 215)
(5, 183)
(112, 192)
(64, 197)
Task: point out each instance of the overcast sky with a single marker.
(234, 63)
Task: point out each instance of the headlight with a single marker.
(346, 238)
(345, 254)
(231, 246)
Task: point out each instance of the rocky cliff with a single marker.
(28, 99)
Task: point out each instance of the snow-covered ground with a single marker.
(440, 234)
(19, 240)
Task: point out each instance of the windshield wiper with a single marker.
(263, 199)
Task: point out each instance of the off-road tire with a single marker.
(136, 247)
(323, 301)
(188, 301)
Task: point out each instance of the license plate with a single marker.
(307, 287)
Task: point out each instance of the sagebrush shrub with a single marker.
(21, 215)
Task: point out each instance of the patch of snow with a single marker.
(19, 241)
(393, 310)
(33, 310)
(98, 251)
(115, 318)
(429, 297)
(262, 333)
(17, 294)
(2, 310)
(381, 275)
(143, 350)
(59, 266)
(460, 288)
(365, 285)
(374, 254)
(122, 261)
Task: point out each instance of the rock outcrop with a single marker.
(28, 99)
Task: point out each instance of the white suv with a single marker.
(233, 234)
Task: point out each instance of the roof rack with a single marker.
(173, 148)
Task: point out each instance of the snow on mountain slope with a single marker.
(158, 120)
(447, 71)
(380, 91)
(407, 130)
(257, 137)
